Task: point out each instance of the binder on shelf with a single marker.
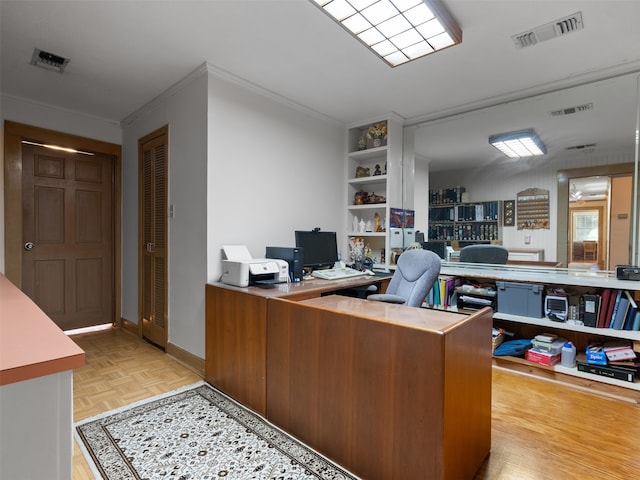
(591, 309)
(442, 292)
(614, 308)
(621, 314)
(604, 307)
(636, 322)
(631, 315)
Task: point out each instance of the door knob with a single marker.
(28, 246)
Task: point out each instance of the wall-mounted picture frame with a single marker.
(509, 213)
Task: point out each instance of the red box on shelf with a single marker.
(542, 358)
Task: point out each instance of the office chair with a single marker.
(416, 272)
(495, 254)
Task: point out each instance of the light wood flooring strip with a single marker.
(541, 430)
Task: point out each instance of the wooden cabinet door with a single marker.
(153, 253)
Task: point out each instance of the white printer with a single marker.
(241, 270)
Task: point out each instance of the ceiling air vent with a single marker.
(558, 28)
(47, 60)
(571, 110)
(587, 148)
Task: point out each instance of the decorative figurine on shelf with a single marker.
(362, 172)
(360, 198)
(376, 222)
(362, 143)
(377, 171)
(368, 227)
(373, 198)
(354, 225)
(362, 226)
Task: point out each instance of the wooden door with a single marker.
(153, 252)
(67, 230)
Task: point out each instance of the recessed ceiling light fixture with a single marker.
(524, 143)
(48, 61)
(398, 31)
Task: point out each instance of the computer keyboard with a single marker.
(337, 273)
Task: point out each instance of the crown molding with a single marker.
(64, 110)
(208, 68)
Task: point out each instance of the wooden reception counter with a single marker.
(387, 391)
(236, 332)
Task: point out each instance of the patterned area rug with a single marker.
(196, 433)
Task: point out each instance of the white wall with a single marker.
(184, 109)
(272, 169)
(45, 116)
(244, 168)
(503, 184)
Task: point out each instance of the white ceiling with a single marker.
(125, 53)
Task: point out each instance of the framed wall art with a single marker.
(509, 213)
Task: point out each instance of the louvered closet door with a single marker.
(153, 288)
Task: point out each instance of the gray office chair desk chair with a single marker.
(416, 272)
(494, 254)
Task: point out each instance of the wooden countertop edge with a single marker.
(438, 322)
(41, 369)
(31, 344)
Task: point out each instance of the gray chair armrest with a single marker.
(387, 298)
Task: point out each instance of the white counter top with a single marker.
(546, 275)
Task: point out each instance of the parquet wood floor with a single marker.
(120, 369)
(541, 430)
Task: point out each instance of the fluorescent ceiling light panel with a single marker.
(396, 30)
(524, 143)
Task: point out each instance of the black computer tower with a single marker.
(293, 255)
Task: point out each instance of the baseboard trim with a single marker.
(129, 326)
(193, 362)
(188, 359)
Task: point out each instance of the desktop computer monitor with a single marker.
(319, 249)
(437, 247)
